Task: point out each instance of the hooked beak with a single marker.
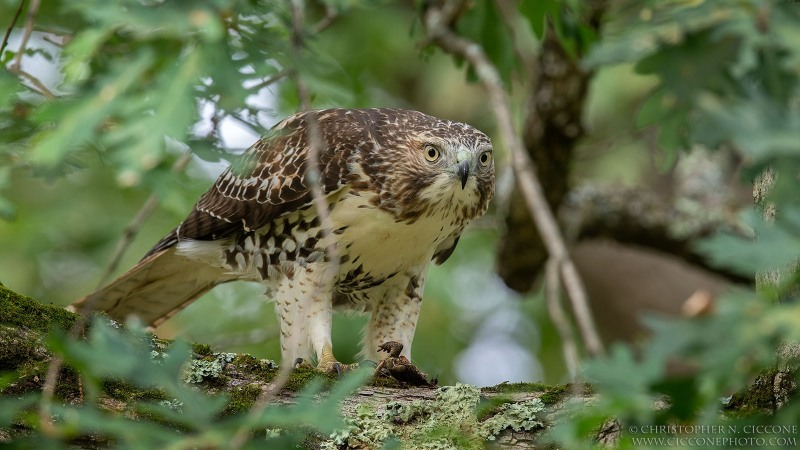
(463, 172)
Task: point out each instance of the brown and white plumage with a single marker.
(400, 186)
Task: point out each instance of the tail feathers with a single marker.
(154, 290)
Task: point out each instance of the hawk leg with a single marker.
(394, 317)
(305, 312)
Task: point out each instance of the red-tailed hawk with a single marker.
(400, 187)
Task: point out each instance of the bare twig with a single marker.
(16, 65)
(559, 318)
(330, 16)
(243, 432)
(40, 87)
(33, 8)
(314, 135)
(11, 26)
(283, 73)
(316, 144)
(144, 213)
(250, 126)
(436, 26)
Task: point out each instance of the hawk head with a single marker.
(428, 165)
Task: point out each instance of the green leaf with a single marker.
(166, 111)
(777, 245)
(79, 118)
(81, 50)
(483, 24)
(536, 13)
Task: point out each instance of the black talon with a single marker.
(338, 368)
(298, 362)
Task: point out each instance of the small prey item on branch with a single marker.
(398, 367)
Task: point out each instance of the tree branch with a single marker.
(527, 180)
(11, 26)
(33, 8)
(637, 216)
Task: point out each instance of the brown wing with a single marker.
(270, 178)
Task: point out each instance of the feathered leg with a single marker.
(303, 304)
(394, 317)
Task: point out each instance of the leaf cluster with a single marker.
(727, 78)
(134, 395)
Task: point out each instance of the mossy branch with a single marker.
(503, 416)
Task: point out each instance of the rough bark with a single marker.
(552, 128)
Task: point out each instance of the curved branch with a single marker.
(527, 180)
(637, 216)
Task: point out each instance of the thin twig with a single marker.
(149, 207)
(250, 126)
(11, 26)
(243, 432)
(283, 73)
(141, 217)
(435, 25)
(40, 87)
(316, 144)
(330, 16)
(33, 8)
(314, 134)
(559, 318)
(16, 65)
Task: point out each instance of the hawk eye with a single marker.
(431, 153)
(485, 158)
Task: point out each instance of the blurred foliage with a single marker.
(168, 412)
(137, 82)
(727, 79)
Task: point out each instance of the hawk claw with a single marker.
(301, 363)
(328, 363)
(370, 363)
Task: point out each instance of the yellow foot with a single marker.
(327, 363)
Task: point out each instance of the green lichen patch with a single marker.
(208, 369)
(20, 311)
(251, 368)
(449, 421)
(516, 416)
(549, 394)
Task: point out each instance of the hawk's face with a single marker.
(437, 166)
